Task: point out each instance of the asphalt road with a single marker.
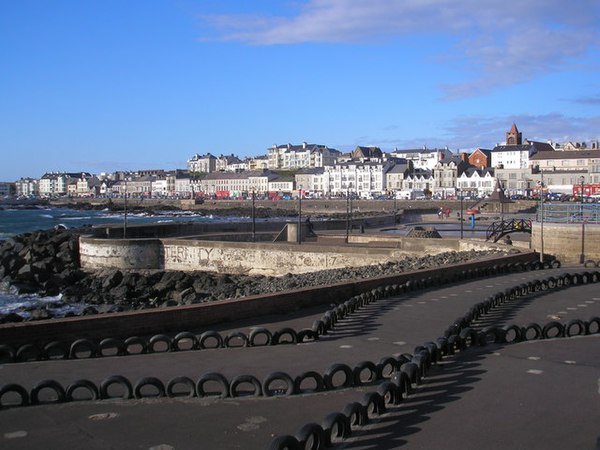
(533, 395)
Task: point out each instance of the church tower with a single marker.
(513, 137)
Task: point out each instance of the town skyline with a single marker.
(106, 86)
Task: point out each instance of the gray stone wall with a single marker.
(564, 240)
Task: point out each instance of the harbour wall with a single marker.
(228, 255)
(200, 316)
(564, 240)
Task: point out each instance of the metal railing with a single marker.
(569, 213)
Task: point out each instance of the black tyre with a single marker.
(213, 377)
(17, 389)
(526, 332)
(389, 393)
(307, 335)
(469, 337)
(373, 403)
(575, 327)
(278, 376)
(158, 339)
(512, 334)
(592, 326)
(149, 381)
(236, 339)
(171, 390)
(209, 336)
(7, 355)
(29, 352)
(135, 342)
(412, 371)
(85, 346)
(553, 330)
(245, 380)
(86, 385)
(336, 427)
(119, 380)
(256, 333)
(328, 376)
(311, 436)
(403, 383)
(53, 385)
(319, 327)
(185, 337)
(359, 372)
(386, 367)
(285, 443)
(56, 350)
(110, 343)
(356, 414)
(318, 380)
(284, 336)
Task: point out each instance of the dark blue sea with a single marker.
(17, 220)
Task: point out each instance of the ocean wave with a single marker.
(77, 218)
(47, 216)
(23, 305)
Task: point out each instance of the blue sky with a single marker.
(104, 85)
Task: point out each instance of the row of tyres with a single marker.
(159, 343)
(214, 384)
(187, 341)
(364, 373)
(458, 337)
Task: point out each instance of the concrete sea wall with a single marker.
(564, 240)
(259, 258)
(195, 317)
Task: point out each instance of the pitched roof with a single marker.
(575, 154)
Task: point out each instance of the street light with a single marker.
(460, 192)
(542, 217)
(253, 217)
(299, 214)
(501, 205)
(125, 212)
(582, 256)
(347, 213)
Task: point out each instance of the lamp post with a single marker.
(582, 256)
(501, 206)
(347, 213)
(460, 192)
(542, 218)
(253, 217)
(299, 214)
(125, 212)
(351, 225)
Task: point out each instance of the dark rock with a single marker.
(112, 279)
(89, 310)
(10, 318)
(41, 314)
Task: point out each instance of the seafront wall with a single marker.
(231, 257)
(200, 316)
(228, 253)
(564, 240)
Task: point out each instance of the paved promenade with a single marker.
(540, 394)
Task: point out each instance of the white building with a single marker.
(315, 181)
(27, 187)
(476, 182)
(202, 163)
(365, 179)
(290, 157)
(423, 158)
(56, 184)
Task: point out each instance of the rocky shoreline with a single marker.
(47, 263)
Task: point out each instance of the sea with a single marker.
(18, 220)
